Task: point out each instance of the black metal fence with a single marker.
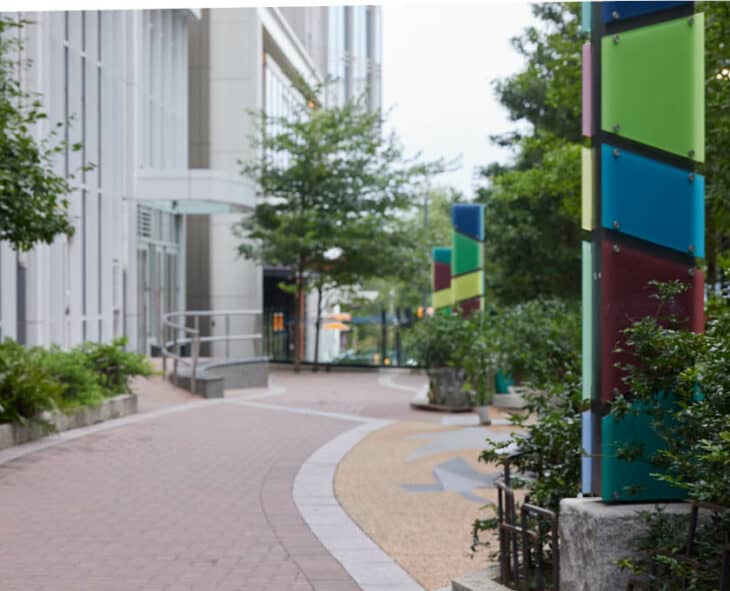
(529, 553)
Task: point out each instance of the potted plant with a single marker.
(437, 344)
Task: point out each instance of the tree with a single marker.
(533, 205)
(33, 203)
(546, 94)
(717, 124)
(419, 234)
(328, 179)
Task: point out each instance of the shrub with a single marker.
(438, 341)
(36, 380)
(478, 359)
(27, 388)
(660, 553)
(79, 382)
(114, 365)
(539, 342)
(696, 435)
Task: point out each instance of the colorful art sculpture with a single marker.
(643, 212)
(467, 257)
(441, 298)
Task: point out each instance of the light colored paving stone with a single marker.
(364, 560)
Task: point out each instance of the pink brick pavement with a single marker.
(359, 393)
(194, 500)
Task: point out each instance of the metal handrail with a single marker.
(175, 325)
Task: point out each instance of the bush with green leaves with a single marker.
(660, 551)
(27, 387)
(695, 369)
(478, 359)
(540, 342)
(36, 380)
(79, 383)
(438, 341)
(537, 342)
(114, 365)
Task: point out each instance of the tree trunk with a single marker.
(317, 325)
(298, 321)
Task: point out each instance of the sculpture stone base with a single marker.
(594, 536)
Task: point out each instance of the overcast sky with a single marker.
(438, 64)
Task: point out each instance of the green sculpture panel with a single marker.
(652, 86)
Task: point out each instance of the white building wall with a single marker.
(89, 66)
(67, 293)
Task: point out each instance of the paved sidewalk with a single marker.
(192, 495)
(193, 500)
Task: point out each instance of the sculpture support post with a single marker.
(643, 211)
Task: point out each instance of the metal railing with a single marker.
(523, 535)
(180, 329)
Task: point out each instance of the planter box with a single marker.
(446, 389)
(112, 408)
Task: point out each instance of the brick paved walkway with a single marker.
(192, 500)
(192, 495)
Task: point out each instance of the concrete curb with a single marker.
(113, 408)
(482, 580)
(370, 567)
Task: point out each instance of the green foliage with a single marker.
(533, 216)
(114, 365)
(534, 204)
(330, 180)
(36, 380)
(547, 91)
(693, 368)
(27, 388)
(660, 551)
(478, 359)
(438, 341)
(79, 384)
(414, 276)
(717, 139)
(33, 204)
(539, 341)
(696, 434)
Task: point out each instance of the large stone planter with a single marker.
(446, 388)
(594, 536)
(112, 408)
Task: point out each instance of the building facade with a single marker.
(119, 78)
(160, 102)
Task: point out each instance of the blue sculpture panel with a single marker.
(653, 201)
(612, 12)
(468, 219)
(586, 471)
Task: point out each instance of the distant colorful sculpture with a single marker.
(441, 298)
(467, 257)
(458, 271)
(643, 211)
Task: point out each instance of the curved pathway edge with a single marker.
(314, 496)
